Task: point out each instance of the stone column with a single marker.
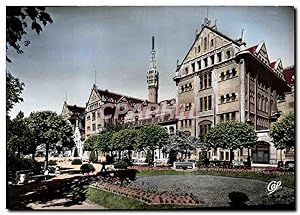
(242, 89)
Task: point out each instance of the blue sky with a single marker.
(116, 41)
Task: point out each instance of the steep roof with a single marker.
(76, 109)
(116, 97)
(252, 49)
(289, 75)
(213, 30)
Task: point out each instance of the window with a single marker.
(205, 43)
(199, 64)
(198, 48)
(226, 155)
(94, 127)
(93, 116)
(182, 89)
(205, 103)
(222, 99)
(212, 59)
(193, 67)
(227, 98)
(233, 97)
(227, 74)
(201, 104)
(190, 86)
(181, 123)
(209, 80)
(186, 70)
(88, 118)
(99, 113)
(209, 103)
(88, 128)
(219, 56)
(221, 118)
(233, 116)
(227, 116)
(234, 72)
(205, 62)
(201, 82)
(204, 128)
(222, 76)
(211, 43)
(228, 54)
(205, 81)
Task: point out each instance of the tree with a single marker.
(182, 143)
(231, 135)
(18, 20)
(48, 128)
(283, 132)
(152, 137)
(14, 88)
(125, 139)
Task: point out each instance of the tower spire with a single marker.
(153, 61)
(152, 76)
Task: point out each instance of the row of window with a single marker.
(227, 116)
(205, 81)
(228, 74)
(205, 61)
(186, 88)
(205, 103)
(185, 123)
(228, 98)
(93, 127)
(262, 103)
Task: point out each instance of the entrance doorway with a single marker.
(261, 152)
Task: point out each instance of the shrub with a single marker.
(238, 199)
(109, 159)
(52, 163)
(120, 165)
(15, 164)
(76, 162)
(87, 168)
(93, 157)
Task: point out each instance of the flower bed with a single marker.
(147, 197)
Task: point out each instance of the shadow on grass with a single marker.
(71, 190)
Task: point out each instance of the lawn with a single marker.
(287, 180)
(115, 201)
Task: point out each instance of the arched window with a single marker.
(211, 43)
(205, 43)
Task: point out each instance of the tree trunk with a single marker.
(231, 155)
(152, 156)
(33, 156)
(119, 155)
(46, 157)
(129, 155)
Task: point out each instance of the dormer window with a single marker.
(228, 54)
(222, 99)
(205, 43)
(211, 43)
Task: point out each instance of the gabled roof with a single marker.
(76, 109)
(289, 75)
(213, 30)
(116, 97)
(252, 49)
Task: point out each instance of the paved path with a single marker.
(212, 190)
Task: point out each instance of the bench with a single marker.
(184, 165)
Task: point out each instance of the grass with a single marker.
(286, 180)
(115, 201)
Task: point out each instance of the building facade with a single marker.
(220, 80)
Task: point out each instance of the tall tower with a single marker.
(152, 77)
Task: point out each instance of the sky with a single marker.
(116, 42)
